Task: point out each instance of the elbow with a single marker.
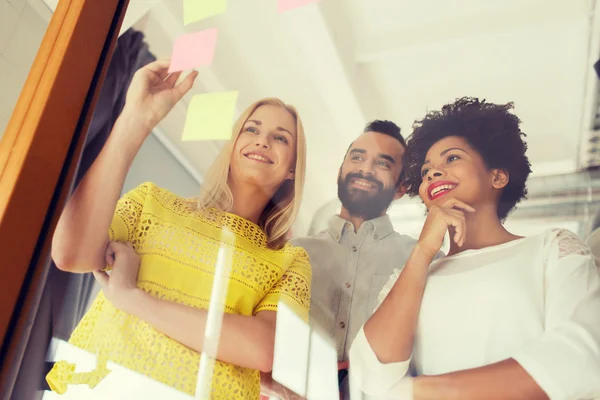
(67, 259)
(369, 374)
(62, 259)
(265, 358)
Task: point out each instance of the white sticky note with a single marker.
(291, 353)
(322, 369)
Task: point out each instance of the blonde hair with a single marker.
(281, 211)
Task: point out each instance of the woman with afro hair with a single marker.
(501, 316)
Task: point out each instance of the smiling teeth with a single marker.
(363, 184)
(440, 188)
(259, 158)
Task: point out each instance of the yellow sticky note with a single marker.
(196, 10)
(210, 116)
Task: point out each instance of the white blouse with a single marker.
(536, 300)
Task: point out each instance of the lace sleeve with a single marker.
(565, 360)
(569, 243)
(387, 287)
(293, 287)
(127, 214)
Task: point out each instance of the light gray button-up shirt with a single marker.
(348, 271)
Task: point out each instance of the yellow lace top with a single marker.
(178, 250)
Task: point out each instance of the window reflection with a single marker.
(357, 73)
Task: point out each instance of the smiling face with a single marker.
(453, 169)
(265, 151)
(368, 178)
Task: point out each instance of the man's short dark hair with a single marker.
(489, 128)
(386, 128)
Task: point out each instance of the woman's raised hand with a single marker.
(153, 92)
(439, 219)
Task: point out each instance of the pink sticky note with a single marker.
(286, 5)
(193, 50)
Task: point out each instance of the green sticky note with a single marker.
(210, 116)
(196, 10)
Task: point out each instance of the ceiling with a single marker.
(345, 62)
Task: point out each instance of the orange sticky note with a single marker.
(286, 5)
(210, 116)
(196, 10)
(193, 50)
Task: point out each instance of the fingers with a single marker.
(171, 79)
(159, 65)
(109, 257)
(157, 71)
(454, 203)
(184, 86)
(119, 250)
(117, 247)
(102, 278)
(456, 219)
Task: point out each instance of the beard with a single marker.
(360, 203)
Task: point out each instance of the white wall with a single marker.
(23, 24)
(154, 163)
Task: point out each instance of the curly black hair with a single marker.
(489, 128)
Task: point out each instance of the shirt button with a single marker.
(342, 324)
(354, 249)
(348, 285)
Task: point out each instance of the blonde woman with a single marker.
(152, 321)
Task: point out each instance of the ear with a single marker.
(291, 175)
(500, 178)
(401, 191)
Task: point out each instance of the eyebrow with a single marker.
(443, 153)
(387, 157)
(380, 155)
(279, 128)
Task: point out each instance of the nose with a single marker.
(366, 168)
(261, 142)
(434, 173)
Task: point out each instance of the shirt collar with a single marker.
(379, 227)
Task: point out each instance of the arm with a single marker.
(381, 352)
(272, 388)
(564, 363)
(485, 383)
(81, 235)
(391, 329)
(246, 341)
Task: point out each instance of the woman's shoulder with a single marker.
(152, 190)
(298, 252)
(565, 242)
(166, 198)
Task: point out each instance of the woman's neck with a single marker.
(483, 230)
(249, 202)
